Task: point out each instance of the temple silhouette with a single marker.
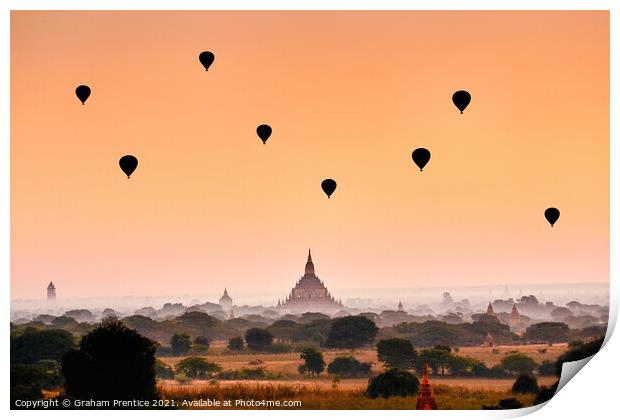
(309, 294)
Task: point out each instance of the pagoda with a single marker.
(309, 294)
(226, 301)
(515, 317)
(490, 310)
(425, 397)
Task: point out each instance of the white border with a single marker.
(591, 395)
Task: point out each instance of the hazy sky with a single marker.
(349, 96)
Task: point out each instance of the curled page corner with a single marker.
(570, 369)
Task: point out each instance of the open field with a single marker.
(318, 397)
(285, 365)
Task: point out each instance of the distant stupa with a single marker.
(426, 401)
(226, 301)
(400, 307)
(51, 291)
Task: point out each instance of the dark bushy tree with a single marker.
(33, 345)
(197, 368)
(518, 363)
(163, 371)
(525, 384)
(112, 362)
(351, 332)
(235, 344)
(258, 339)
(348, 367)
(394, 382)
(396, 353)
(180, 344)
(29, 380)
(314, 363)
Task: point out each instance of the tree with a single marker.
(258, 339)
(202, 341)
(437, 358)
(162, 370)
(197, 368)
(201, 344)
(351, 332)
(235, 344)
(394, 382)
(180, 344)
(112, 362)
(525, 384)
(396, 353)
(348, 367)
(517, 363)
(33, 345)
(547, 332)
(314, 363)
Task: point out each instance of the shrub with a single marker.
(197, 368)
(245, 373)
(394, 382)
(525, 384)
(348, 367)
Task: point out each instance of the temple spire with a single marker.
(309, 264)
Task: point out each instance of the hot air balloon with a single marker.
(461, 99)
(421, 157)
(82, 92)
(206, 58)
(264, 132)
(552, 215)
(328, 186)
(128, 164)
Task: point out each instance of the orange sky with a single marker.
(349, 96)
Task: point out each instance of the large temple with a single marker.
(309, 295)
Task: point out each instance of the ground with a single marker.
(284, 366)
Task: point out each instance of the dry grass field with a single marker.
(318, 397)
(285, 365)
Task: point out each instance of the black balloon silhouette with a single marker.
(552, 215)
(264, 132)
(206, 58)
(128, 164)
(421, 157)
(82, 92)
(461, 99)
(328, 186)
